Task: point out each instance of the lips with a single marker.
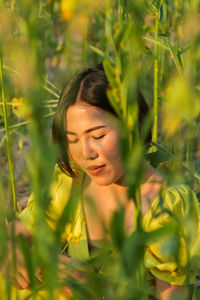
(95, 170)
(94, 167)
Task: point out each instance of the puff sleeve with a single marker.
(163, 258)
(60, 192)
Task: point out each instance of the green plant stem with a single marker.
(137, 208)
(155, 102)
(21, 104)
(44, 86)
(53, 86)
(8, 140)
(24, 123)
(12, 5)
(63, 250)
(185, 167)
(2, 140)
(51, 92)
(162, 65)
(108, 23)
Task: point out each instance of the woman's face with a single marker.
(94, 143)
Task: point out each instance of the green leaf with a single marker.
(123, 35)
(157, 3)
(117, 228)
(174, 56)
(28, 259)
(157, 43)
(181, 51)
(133, 252)
(101, 53)
(162, 148)
(180, 58)
(110, 72)
(112, 96)
(155, 158)
(198, 196)
(162, 34)
(98, 51)
(197, 166)
(135, 244)
(161, 12)
(194, 175)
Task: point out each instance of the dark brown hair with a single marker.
(90, 86)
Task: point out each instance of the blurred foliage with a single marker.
(153, 46)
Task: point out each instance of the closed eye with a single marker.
(98, 137)
(72, 142)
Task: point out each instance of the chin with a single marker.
(102, 181)
(107, 181)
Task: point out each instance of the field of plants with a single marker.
(153, 45)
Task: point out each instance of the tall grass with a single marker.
(10, 159)
(150, 45)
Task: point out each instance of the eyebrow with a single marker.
(88, 130)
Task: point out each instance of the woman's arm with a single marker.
(166, 291)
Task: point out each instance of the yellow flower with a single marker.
(70, 237)
(20, 209)
(77, 237)
(21, 108)
(68, 8)
(18, 102)
(83, 221)
(74, 238)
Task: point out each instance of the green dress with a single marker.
(179, 203)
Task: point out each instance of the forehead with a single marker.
(81, 116)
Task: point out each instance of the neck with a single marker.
(150, 176)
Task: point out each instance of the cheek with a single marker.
(73, 153)
(112, 148)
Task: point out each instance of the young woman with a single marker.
(88, 132)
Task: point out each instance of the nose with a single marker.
(88, 151)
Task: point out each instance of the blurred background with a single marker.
(151, 44)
